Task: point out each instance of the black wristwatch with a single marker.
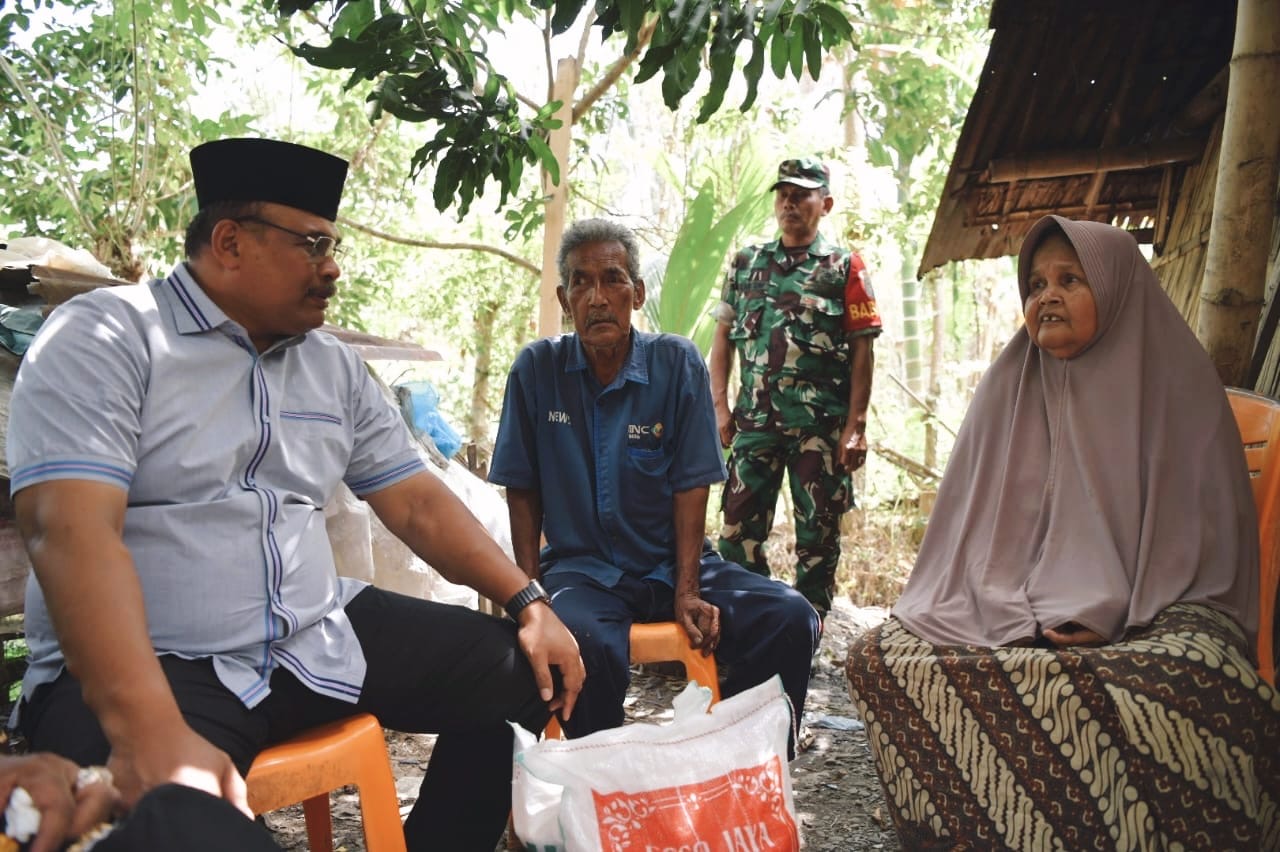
(524, 597)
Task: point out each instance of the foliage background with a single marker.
(103, 99)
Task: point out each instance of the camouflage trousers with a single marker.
(819, 494)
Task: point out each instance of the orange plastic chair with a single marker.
(1259, 420)
(660, 642)
(305, 768)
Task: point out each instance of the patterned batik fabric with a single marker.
(1167, 740)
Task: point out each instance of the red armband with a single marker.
(860, 311)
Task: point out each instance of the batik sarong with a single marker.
(1166, 740)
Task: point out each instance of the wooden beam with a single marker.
(1054, 164)
(1133, 209)
(1201, 110)
(14, 567)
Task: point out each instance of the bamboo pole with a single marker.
(557, 198)
(1231, 294)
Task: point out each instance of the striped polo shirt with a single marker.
(228, 457)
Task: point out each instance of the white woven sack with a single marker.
(703, 783)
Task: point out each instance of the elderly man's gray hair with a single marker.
(586, 231)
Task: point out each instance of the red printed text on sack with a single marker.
(742, 838)
(744, 810)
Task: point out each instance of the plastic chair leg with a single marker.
(319, 823)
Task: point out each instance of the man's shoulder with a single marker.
(748, 253)
(319, 340)
(126, 306)
(823, 247)
(664, 345)
(338, 365)
(545, 359)
(544, 348)
(670, 358)
(121, 297)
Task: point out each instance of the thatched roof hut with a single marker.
(1108, 111)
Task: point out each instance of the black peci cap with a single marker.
(268, 170)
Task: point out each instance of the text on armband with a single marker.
(863, 310)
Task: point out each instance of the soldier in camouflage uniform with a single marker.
(800, 315)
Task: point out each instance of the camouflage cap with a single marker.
(808, 172)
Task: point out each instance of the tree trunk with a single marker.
(478, 421)
(1231, 294)
(557, 196)
(853, 135)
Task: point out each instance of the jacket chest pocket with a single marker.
(645, 463)
(818, 323)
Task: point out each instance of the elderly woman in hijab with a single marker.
(1070, 665)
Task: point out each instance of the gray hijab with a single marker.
(1100, 489)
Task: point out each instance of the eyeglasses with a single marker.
(319, 247)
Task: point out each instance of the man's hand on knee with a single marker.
(700, 620)
(173, 753)
(547, 642)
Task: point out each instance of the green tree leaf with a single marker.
(433, 47)
(545, 155)
(681, 294)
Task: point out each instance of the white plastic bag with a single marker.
(705, 782)
(535, 804)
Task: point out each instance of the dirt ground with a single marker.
(839, 803)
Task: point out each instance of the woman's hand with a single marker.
(1071, 633)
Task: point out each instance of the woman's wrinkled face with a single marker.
(1061, 315)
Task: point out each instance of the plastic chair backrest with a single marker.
(1258, 418)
